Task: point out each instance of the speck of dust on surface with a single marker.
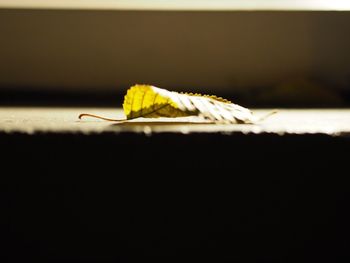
(147, 130)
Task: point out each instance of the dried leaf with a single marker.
(151, 102)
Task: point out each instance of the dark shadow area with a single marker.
(173, 197)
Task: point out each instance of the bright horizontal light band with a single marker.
(339, 5)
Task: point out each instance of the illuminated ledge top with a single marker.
(333, 122)
(218, 5)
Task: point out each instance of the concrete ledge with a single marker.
(31, 120)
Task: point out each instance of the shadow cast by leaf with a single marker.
(158, 123)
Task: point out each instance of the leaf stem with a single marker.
(97, 117)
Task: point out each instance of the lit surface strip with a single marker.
(335, 122)
(336, 5)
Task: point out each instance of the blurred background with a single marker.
(257, 53)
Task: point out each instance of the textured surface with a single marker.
(65, 120)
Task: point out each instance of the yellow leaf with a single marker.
(151, 102)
